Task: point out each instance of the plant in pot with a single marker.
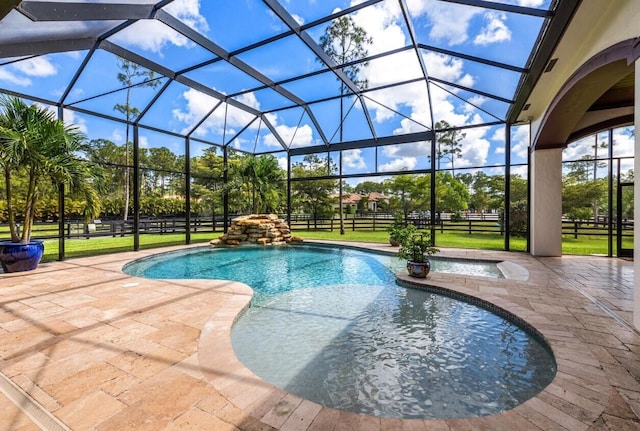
(38, 153)
(398, 230)
(416, 249)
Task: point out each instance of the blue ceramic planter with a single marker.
(419, 269)
(17, 256)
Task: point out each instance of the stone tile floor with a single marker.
(84, 346)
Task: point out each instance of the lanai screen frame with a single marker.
(555, 20)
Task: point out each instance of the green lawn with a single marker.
(108, 244)
(584, 245)
(484, 241)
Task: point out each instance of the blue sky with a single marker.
(233, 24)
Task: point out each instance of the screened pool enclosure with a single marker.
(197, 111)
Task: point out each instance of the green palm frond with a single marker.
(35, 142)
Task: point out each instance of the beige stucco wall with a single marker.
(546, 203)
(597, 25)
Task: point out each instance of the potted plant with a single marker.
(416, 249)
(398, 230)
(38, 153)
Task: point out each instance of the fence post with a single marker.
(331, 225)
(575, 230)
(469, 227)
(353, 220)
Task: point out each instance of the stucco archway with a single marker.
(598, 95)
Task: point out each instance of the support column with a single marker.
(546, 202)
(636, 204)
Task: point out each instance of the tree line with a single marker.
(257, 184)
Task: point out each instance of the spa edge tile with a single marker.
(279, 414)
(563, 418)
(571, 407)
(575, 398)
(391, 424)
(302, 416)
(349, 422)
(540, 420)
(436, 425)
(195, 419)
(508, 421)
(260, 399)
(327, 419)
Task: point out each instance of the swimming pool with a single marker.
(331, 325)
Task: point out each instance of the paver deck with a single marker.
(85, 346)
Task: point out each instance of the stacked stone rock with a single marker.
(257, 229)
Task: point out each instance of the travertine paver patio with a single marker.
(84, 346)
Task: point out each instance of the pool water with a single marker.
(331, 325)
(272, 270)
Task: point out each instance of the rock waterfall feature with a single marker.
(257, 229)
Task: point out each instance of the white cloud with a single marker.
(412, 149)
(520, 142)
(475, 148)
(531, 3)
(188, 11)
(623, 143)
(476, 101)
(152, 35)
(579, 149)
(353, 159)
(21, 72)
(399, 164)
(20, 81)
(381, 23)
(149, 35)
(523, 171)
(292, 136)
(70, 118)
(448, 22)
(626, 165)
(283, 163)
(74, 54)
(143, 142)
(199, 105)
(117, 137)
(37, 66)
(495, 30)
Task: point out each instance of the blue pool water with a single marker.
(332, 326)
(272, 270)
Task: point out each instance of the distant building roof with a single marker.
(354, 198)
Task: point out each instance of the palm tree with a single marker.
(264, 176)
(41, 150)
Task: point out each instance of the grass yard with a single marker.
(584, 245)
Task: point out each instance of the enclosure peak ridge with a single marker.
(257, 229)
